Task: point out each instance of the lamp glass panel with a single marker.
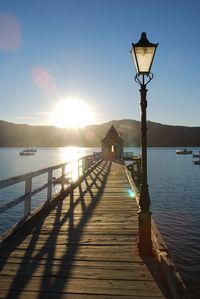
(144, 57)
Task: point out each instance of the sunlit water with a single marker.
(174, 190)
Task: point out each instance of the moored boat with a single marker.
(197, 155)
(196, 162)
(28, 152)
(24, 153)
(183, 152)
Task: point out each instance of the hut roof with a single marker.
(113, 135)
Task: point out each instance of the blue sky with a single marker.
(56, 49)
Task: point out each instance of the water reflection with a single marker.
(44, 158)
(74, 167)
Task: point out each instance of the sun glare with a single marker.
(72, 113)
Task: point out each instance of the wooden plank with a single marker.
(83, 272)
(36, 295)
(114, 265)
(84, 286)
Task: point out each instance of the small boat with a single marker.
(196, 162)
(28, 152)
(183, 152)
(196, 155)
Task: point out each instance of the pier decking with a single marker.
(85, 246)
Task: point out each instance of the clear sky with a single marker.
(78, 51)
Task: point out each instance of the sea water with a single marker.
(174, 191)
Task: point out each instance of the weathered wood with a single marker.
(28, 193)
(27, 203)
(49, 188)
(84, 286)
(36, 295)
(84, 247)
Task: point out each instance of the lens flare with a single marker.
(10, 32)
(131, 193)
(43, 79)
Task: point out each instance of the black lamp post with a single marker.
(143, 54)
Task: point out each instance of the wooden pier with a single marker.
(83, 244)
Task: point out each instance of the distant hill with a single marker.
(159, 135)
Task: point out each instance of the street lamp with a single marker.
(143, 54)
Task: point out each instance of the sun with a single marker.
(72, 113)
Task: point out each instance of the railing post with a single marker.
(85, 164)
(89, 162)
(63, 178)
(27, 202)
(94, 158)
(49, 189)
(79, 173)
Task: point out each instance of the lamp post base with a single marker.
(144, 240)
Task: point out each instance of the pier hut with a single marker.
(112, 145)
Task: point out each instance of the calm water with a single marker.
(174, 190)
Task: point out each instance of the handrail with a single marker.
(83, 165)
(20, 178)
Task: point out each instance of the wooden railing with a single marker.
(66, 178)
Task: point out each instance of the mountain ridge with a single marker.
(158, 135)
